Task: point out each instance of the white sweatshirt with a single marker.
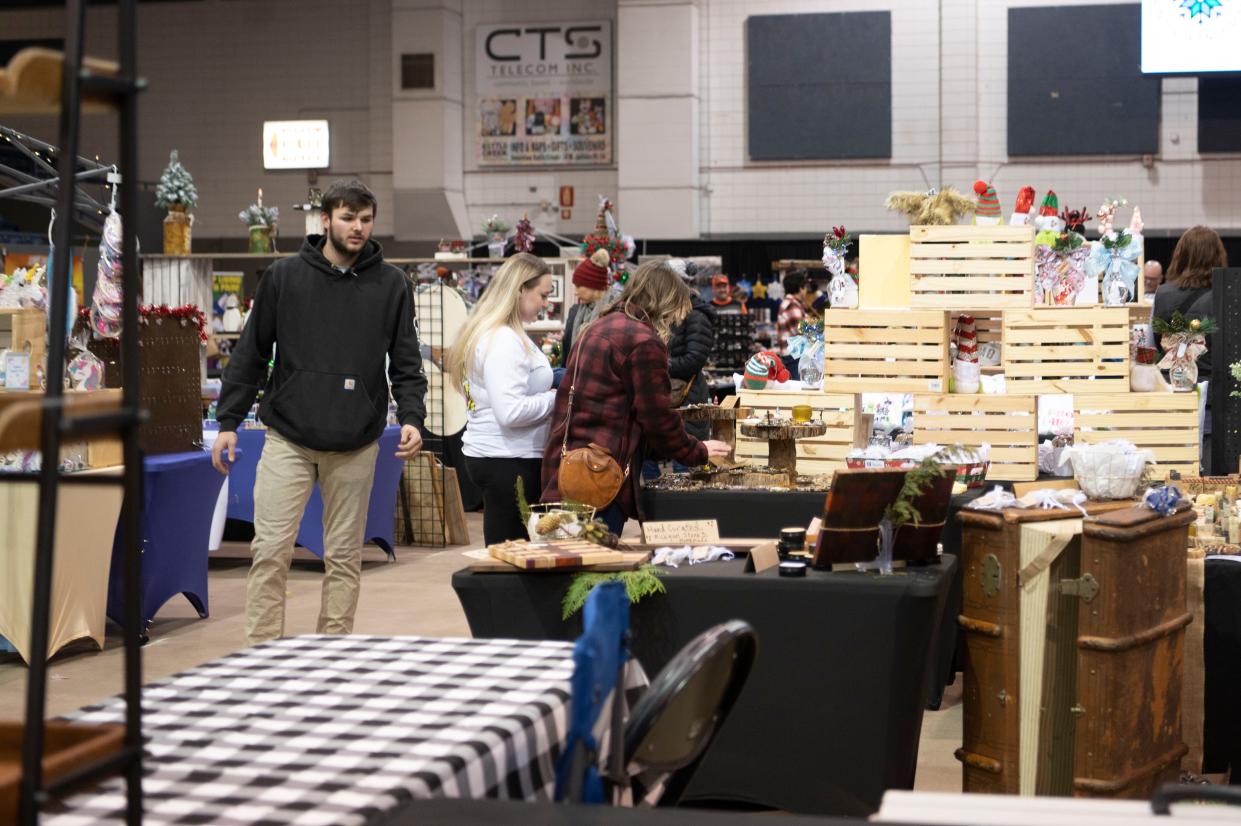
(510, 387)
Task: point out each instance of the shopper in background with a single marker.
(507, 384)
(725, 298)
(1188, 289)
(1152, 277)
(790, 316)
(590, 286)
(333, 314)
(622, 395)
(688, 351)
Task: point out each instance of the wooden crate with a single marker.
(25, 329)
(822, 454)
(1009, 424)
(885, 351)
(1066, 350)
(971, 268)
(1164, 423)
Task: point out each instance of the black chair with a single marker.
(1169, 793)
(677, 718)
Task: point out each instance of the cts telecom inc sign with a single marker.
(295, 144)
(543, 94)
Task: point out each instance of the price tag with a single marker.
(685, 532)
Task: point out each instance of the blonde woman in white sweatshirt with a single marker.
(507, 383)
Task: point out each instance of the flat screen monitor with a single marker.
(1191, 36)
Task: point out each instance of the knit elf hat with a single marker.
(1051, 204)
(988, 201)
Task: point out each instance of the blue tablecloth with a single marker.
(379, 514)
(179, 495)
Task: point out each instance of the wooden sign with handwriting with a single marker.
(685, 532)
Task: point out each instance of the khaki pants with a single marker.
(286, 476)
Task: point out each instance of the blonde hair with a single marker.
(496, 308)
(654, 294)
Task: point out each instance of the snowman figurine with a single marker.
(232, 314)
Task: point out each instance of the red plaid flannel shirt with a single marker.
(622, 401)
(787, 321)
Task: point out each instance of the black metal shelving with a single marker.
(61, 417)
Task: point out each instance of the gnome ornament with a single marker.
(965, 368)
(762, 368)
(1048, 224)
(987, 213)
(1023, 211)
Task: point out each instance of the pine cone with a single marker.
(549, 522)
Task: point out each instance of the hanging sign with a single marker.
(543, 94)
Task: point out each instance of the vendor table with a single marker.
(832, 712)
(179, 495)
(85, 519)
(379, 514)
(341, 730)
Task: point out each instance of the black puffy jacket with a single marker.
(688, 351)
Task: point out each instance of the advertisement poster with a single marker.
(544, 94)
(226, 298)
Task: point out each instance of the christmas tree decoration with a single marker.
(1023, 211)
(987, 211)
(842, 290)
(606, 237)
(1135, 222)
(176, 193)
(935, 206)
(523, 236)
(261, 220)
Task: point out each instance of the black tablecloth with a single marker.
(490, 812)
(832, 712)
(1221, 644)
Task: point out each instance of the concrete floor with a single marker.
(412, 595)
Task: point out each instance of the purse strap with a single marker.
(568, 417)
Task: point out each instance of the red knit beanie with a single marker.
(592, 273)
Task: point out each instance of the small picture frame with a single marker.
(17, 370)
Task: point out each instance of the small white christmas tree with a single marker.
(176, 187)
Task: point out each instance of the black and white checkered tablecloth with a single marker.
(338, 730)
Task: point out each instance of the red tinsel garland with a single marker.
(186, 312)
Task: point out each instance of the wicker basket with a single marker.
(1115, 476)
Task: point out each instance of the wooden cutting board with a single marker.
(554, 554)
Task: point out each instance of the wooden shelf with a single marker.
(31, 82)
(21, 414)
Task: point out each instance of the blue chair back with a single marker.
(598, 658)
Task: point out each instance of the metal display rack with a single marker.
(55, 417)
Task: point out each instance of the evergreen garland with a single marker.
(638, 584)
(918, 479)
(176, 187)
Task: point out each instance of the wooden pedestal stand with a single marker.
(723, 423)
(781, 441)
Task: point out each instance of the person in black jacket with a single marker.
(333, 314)
(688, 350)
(1198, 252)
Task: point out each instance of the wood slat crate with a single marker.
(822, 454)
(1009, 424)
(971, 268)
(1164, 423)
(25, 329)
(1066, 350)
(885, 351)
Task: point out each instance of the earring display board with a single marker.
(441, 313)
(1225, 350)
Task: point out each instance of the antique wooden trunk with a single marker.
(1074, 630)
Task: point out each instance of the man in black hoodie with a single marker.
(331, 314)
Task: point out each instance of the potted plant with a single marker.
(496, 229)
(177, 194)
(262, 223)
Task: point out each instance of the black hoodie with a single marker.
(331, 331)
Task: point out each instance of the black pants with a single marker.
(498, 479)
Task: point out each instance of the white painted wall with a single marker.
(218, 68)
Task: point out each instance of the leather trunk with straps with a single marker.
(1074, 634)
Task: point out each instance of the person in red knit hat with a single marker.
(590, 285)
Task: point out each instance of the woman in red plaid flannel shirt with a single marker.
(623, 396)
